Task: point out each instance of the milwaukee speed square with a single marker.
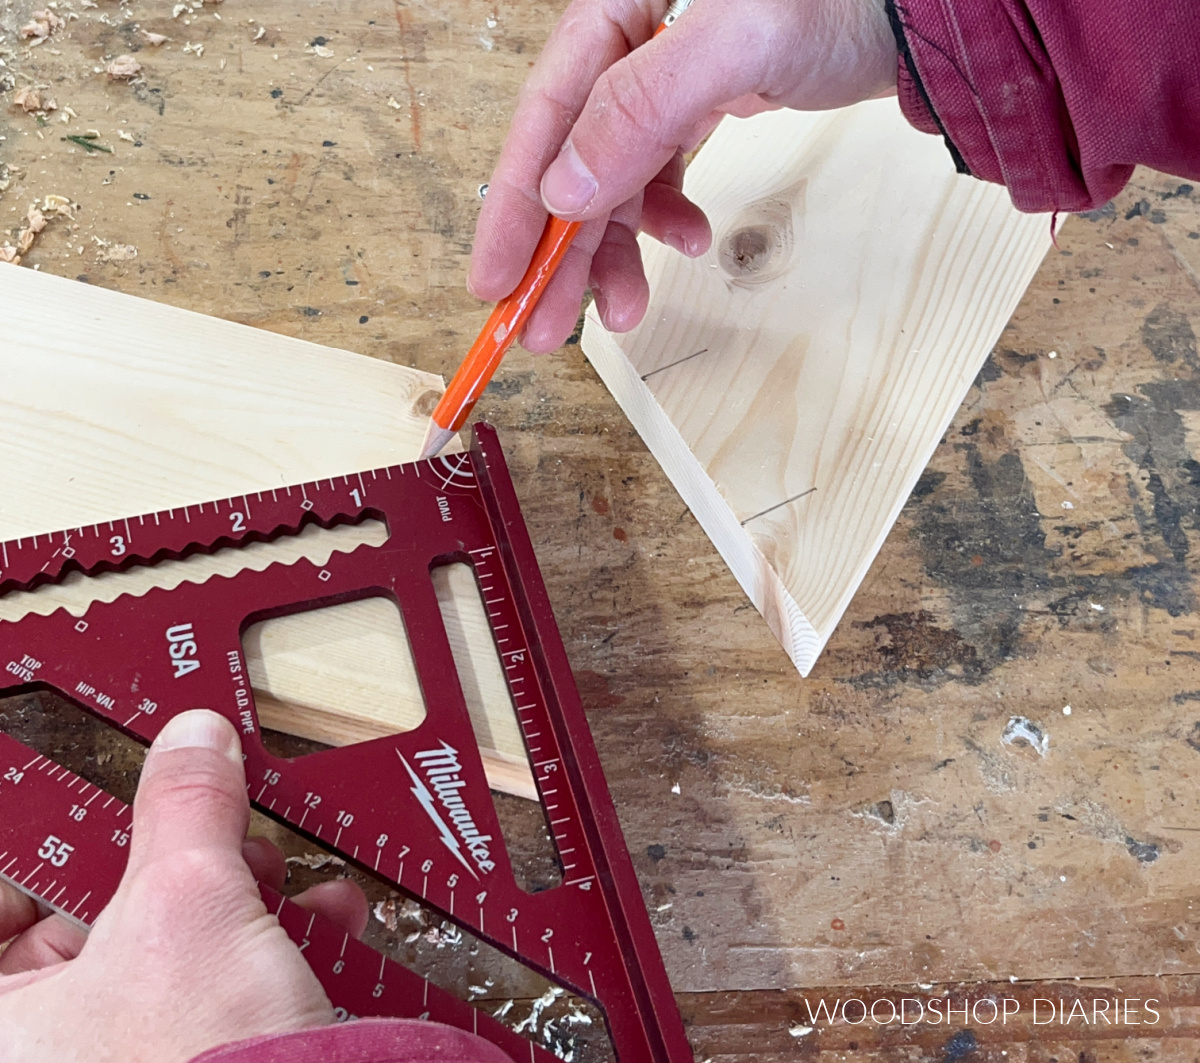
(412, 809)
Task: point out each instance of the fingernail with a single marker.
(568, 186)
(676, 241)
(601, 301)
(199, 729)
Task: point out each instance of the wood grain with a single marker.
(114, 406)
(794, 381)
(756, 806)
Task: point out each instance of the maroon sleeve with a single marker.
(1057, 99)
(363, 1041)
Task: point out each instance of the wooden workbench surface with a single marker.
(860, 833)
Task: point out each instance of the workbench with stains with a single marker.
(987, 788)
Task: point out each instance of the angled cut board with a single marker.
(111, 406)
(794, 381)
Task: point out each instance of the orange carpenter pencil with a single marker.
(502, 327)
(507, 319)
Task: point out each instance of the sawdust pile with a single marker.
(115, 252)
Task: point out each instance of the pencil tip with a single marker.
(435, 439)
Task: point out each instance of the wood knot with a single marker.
(425, 403)
(756, 246)
(746, 251)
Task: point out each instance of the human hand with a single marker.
(186, 956)
(607, 115)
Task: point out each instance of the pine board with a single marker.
(978, 606)
(113, 406)
(795, 381)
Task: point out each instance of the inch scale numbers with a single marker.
(65, 842)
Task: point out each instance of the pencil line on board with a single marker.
(672, 365)
(778, 505)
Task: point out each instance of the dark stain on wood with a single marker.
(911, 646)
(595, 692)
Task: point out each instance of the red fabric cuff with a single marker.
(994, 88)
(363, 1041)
(912, 103)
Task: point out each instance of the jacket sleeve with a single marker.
(1057, 99)
(363, 1041)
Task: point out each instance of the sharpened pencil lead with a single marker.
(436, 439)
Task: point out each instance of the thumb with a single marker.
(648, 104)
(192, 793)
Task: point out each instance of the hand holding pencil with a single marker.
(598, 140)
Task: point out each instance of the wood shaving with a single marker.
(317, 861)
(530, 1022)
(35, 222)
(259, 34)
(123, 68)
(154, 38)
(43, 25)
(196, 49)
(320, 51)
(444, 935)
(394, 104)
(29, 100)
(385, 912)
(126, 136)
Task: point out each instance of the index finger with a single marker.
(650, 104)
(590, 37)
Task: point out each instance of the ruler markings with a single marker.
(501, 606)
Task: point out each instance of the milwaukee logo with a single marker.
(443, 776)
